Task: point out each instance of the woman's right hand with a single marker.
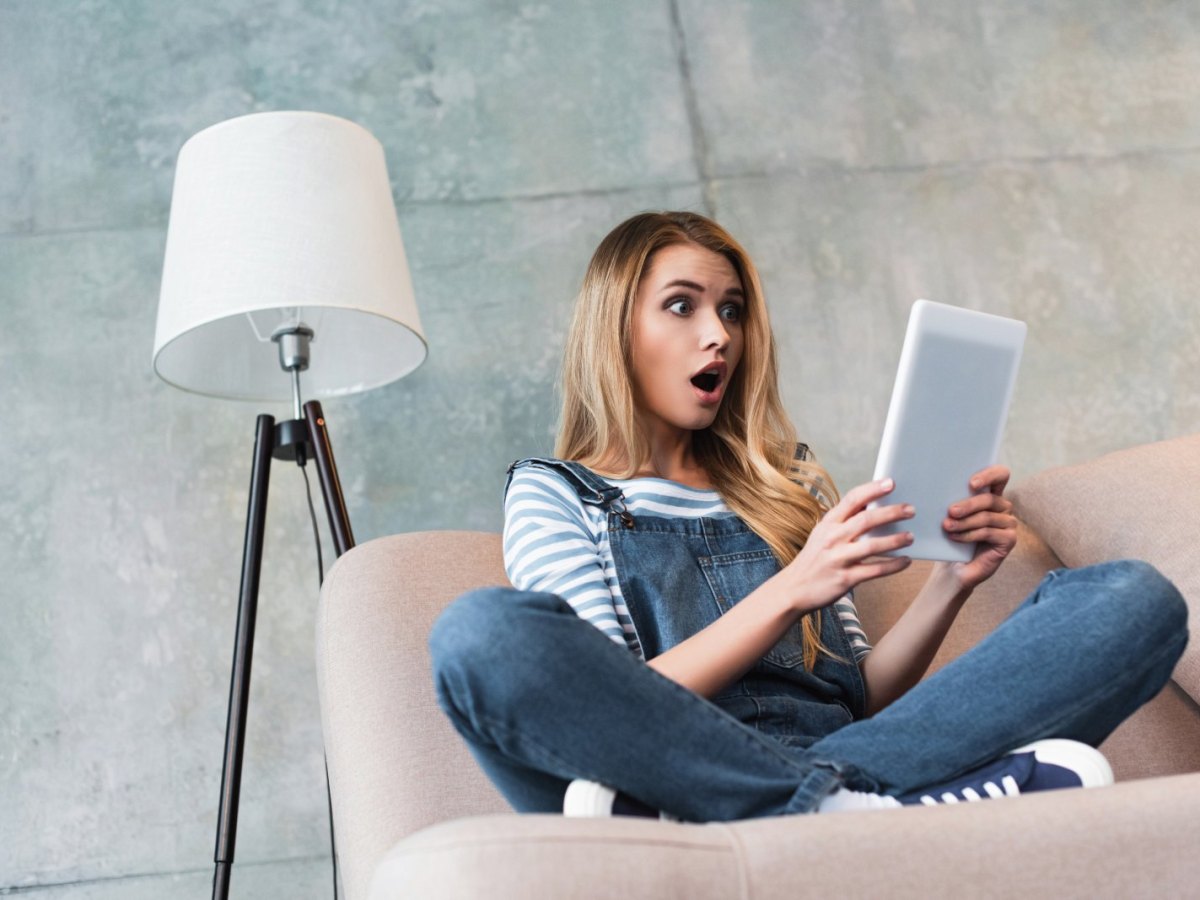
(834, 561)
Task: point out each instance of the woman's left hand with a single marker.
(986, 519)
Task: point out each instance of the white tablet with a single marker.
(944, 423)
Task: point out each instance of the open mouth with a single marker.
(710, 381)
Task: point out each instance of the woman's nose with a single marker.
(715, 333)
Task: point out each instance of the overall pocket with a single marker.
(732, 576)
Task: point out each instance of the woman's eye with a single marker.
(680, 305)
(731, 312)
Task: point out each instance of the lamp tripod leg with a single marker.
(331, 485)
(239, 685)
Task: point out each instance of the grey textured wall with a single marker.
(1039, 160)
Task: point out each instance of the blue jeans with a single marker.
(542, 697)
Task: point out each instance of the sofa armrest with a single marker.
(395, 763)
(1129, 840)
(1135, 839)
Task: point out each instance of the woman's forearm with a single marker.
(902, 656)
(724, 651)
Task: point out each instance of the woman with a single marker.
(682, 637)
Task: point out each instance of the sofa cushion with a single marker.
(1140, 503)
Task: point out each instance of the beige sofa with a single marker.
(416, 818)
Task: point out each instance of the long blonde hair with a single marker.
(749, 451)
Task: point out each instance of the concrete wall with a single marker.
(1036, 160)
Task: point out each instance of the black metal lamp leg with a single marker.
(331, 485)
(267, 442)
(239, 685)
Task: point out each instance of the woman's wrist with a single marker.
(943, 582)
(796, 593)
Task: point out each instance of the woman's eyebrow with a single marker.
(682, 282)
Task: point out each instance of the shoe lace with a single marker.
(1007, 788)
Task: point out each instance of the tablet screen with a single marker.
(946, 417)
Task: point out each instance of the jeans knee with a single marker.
(466, 627)
(1148, 594)
(478, 630)
(1156, 588)
(478, 675)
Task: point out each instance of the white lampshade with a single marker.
(279, 218)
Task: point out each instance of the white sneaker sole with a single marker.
(588, 799)
(1087, 762)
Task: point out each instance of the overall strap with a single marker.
(591, 488)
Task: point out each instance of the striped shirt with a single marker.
(555, 543)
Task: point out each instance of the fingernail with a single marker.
(909, 509)
(886, 483)
(955, 510)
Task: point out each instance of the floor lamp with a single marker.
(283, 256)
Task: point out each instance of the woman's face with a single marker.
(687, 336)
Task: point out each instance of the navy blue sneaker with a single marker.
(1041, 766)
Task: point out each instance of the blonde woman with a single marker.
(681, 638)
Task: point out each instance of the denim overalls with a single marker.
(679, 575)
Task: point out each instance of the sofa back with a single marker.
(1141, 502)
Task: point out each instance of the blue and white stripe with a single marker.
(556, 543)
